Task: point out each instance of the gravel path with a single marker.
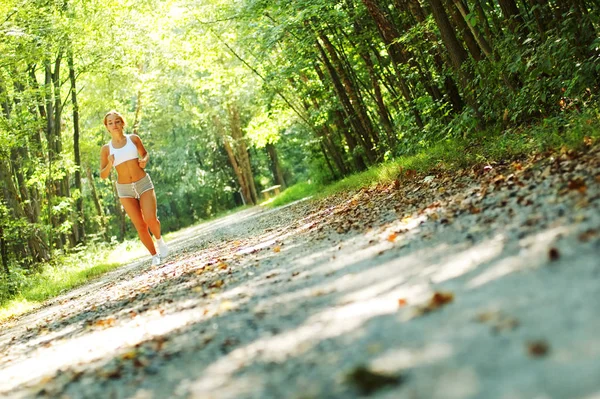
(479, 284)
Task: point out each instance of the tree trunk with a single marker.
(449, 85)
(481, 41)
(78, 226)
(457, 53)
(326, 157)
(367, 131)
(325, 136)
(237, 170)
(467, 36)
(122, 220)
(4, 253)
(512, 15)
(357, 127)
(384, 114)
(242, 150)
(397, 52)
(97, 205)
(37, 248)
(138, 113)
(359, 162)
(275, 165)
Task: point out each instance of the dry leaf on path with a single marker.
(369, 381)
(553, 254)
(538, 348)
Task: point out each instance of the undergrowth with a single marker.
(487, 147)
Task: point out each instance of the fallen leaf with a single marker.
(553, 254)
(538, 348)
(110, 321)
(587, 235)
(129, 355)
(410, 173)
(222, 265)
(369, 381)
(588, 141)
(437, 300)
(402, 302)
(216, 284)
(440, 298)
(577, 184)
(392, 237)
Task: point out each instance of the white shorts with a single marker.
(135, 189)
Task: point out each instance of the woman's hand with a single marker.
(143, 161)
(111, 160)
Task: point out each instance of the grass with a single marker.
(488, 147)
(64, 274)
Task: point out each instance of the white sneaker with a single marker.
(156, 260)
(163, 249)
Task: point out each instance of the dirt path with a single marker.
(481, 284)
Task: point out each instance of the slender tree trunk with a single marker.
(50, 138)
(242, 150)
(512, 15)
(275, 165)
(122, 220)
(237, 170)
(78, 227)
(357, 157)
(325, 136)
(326, 157)
(37, 249)
(450, 87)
(97, 205)
(456, 52)
(384, 114)
(357, 127)
(369, 135)
(138, 113)
(4, 252)
(467, 36)
(481, 41)
(397, 52)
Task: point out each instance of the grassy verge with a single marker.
(65, 273)
(491, 146)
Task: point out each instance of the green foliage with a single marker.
(296, 192)
(452, 154)
(26, 288)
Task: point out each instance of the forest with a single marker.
(233, 96)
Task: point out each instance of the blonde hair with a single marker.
(117, 113)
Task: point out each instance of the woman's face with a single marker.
(114, 123)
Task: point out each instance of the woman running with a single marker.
(136, 192)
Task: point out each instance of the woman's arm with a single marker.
(106, 162)
(144, 156)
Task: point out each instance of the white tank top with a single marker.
(127, 152)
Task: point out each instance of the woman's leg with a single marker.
(132, 207)
(148, 207)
